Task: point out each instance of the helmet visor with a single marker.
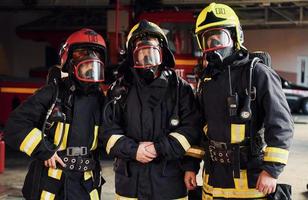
(147, 54)
(214, 39)
(90, 70)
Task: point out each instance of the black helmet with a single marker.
(149, 29)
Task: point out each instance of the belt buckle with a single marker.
(76, 151)
(83, 151)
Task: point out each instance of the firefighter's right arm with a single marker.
(116, 143)
(23, 128)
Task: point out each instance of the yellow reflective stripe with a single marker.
(205, 129)
(182, 140)
(59, 132)
(206, 196)
(184, 198)
(87, 175)
(17, 90)
(94, 195)
(95, 140)
(111, 142)
(242, 182)
(55, 173)
(230, 192)
(119, 197)
(47, 195)
(196, 152)
(274, 154)
(206, 79)
(31, 141)
(237, 133)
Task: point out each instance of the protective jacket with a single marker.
(81, 178)
(144, 114)
(234, 149)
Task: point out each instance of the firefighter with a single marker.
(151, 120)
(58, 125)
(238, 97)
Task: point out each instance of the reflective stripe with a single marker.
(31, 141)
(237, 133)
(59, 132)
(47, 195)
(55, 173)
(206, 196)
(205, 129)
(112, 140)
(119, 197)
(274, 154)
(196, 152)
(94, 195)
(94, 143)
(242, 182)
(182, 140)
(206, 79)
(87, 175)
(231, 192)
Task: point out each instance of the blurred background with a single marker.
(32, 32)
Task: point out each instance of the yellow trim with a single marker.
(275, 154)
(182, 140)
(196, 152)
(111, 142)
(55, 173)
(206, 79)
(237, 133)
(119, 197)
(47, 195)
(232, 192)
(94, 195)
(31, 141)
(206, 196)
(242, 182)
(58, 133)
(17, 90)
(87, 175)
(186, 62)
(205, 129)
(95, 140)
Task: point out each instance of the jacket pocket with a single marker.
(121, 167)
(172, 168)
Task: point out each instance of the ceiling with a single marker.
(252, 13)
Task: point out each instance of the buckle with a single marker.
(76, 151)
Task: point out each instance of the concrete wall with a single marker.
(20, 55)
(284, 45)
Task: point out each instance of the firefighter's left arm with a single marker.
(278, 121)
(180, 139)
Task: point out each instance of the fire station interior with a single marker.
(32, 32)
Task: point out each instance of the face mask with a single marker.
(149, 74)
(218, 57)
(88, 65)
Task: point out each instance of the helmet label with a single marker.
(220, 11)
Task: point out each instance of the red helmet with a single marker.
(86, 38)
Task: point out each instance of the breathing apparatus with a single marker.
(233, 100)
(54, 114)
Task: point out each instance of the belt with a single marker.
(77, 159)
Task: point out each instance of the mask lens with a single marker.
(215, 39)
(91, 70)
(147, 56)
